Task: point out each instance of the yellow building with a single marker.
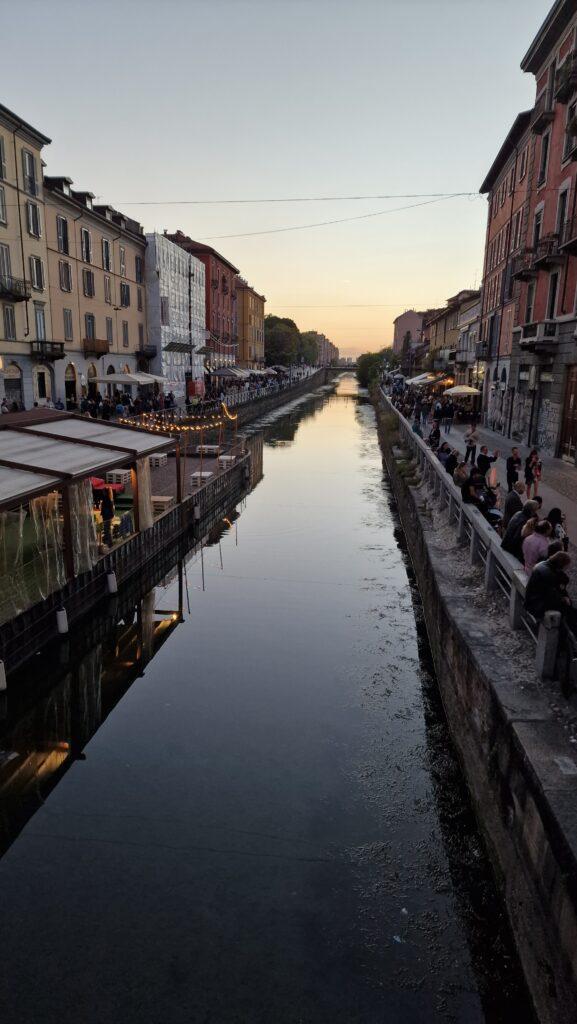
(25, 325)
(250, 313)
(97, 293)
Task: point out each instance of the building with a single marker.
(176, 304)
(508, 190)
(25, 322)
(442, 330)
(221, 316)
(408, 330)
(467, 368)
(544, 355)
(328, 353)
(97, 296)
(250, 316)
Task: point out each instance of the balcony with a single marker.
(569, 236)
(538, 337)
(149, 351)
(47, 350)
(14, 288)
(95, 347)
(523, 266)
(547, 252)
(482, 351)
(566, 79)
(543, 113)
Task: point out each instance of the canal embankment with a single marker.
(512, 731)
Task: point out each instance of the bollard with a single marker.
(547, 644)
(62, 621)
(111, 584)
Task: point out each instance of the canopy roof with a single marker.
(129, 379)
(462, 389)
(44, 449)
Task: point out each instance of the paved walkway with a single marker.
(558, 485)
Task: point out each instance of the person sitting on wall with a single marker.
(535, 546)
(452, 462)
(513, 502)
(547, 589)
(434, 436)
(512, 540)
(461, 474)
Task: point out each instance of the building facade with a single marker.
(176, 304)
(97, 296)
(442, 330)
(250, 316)
(408, 330)
(221, 316)
(328, 353)
(467, 370)
(25, 323)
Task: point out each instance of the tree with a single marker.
(281, 341)
(309, 347)
(369, 366)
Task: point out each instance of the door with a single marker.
(13, 385)
(569, 424)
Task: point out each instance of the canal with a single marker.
(238, 802)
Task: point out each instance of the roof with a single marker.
(53, 185)
(186, 243)
(516, 132)
(44, 449)
(548, 35)
(18, 123)
(241, 283)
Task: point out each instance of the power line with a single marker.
(293, 199)
(324, 223)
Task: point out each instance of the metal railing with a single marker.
(502, 571)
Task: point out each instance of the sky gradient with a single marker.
(150, 105)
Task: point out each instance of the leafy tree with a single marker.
(309, 347)
(281, 341)
(369, 366)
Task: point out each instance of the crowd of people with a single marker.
(539, 542)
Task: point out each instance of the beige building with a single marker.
(25, 325)
(250, 313)
(97, 295)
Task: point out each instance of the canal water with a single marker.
(241, 803)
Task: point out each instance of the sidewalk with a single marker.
(557, 487)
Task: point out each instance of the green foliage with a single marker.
(369, 367)
(309, 347)
(281, 341)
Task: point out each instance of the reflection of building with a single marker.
(220, 301)
(25, 326)
(96, 277)
(250, 313)
(175, 297)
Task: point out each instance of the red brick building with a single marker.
(221, 308)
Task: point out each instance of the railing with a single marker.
(502, 571)
(148, 351)
(523, 265)
(566, 79)
(548, 249)
(96, 346)
(543, 113)
(14, 288)
(47, 349)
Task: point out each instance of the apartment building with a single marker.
(250, 315)
(221, 316)
(25, 324)
(176, 303)
(467, 369)
(408, 330)
(441, 328)
(97, 296)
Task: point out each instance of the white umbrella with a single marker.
(462, 390)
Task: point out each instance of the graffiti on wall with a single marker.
(548, 426)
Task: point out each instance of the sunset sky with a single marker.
(150, 105)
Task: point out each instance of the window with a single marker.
(106, 254)
(530, 302)
(88, 283)
(544, 159)
(41, 383)
(89, 326)
(109, 334)
(138, 269)
(516, 239)
(5, 268)
(40, 322)
(561, 213)
(62, 234)
(86, 245)
(107, 290)
(165, 312)
(523, 164)
(537, 225)
(139, 299)
(552, 300)
(29, 173)
(65, 275)
(68, 328)
(33, 220)
(2, 158)
(570, 130)
(3, 216)
(9, 323)
(124, 294)
(125, 333)
(37, 273)
(511, 182)
(141, 335)
(122, 261)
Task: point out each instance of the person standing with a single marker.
(448, 416)
(471, 442)
(532, 472)
(485, 460)
(513, 468)
(107, 513)
(559, 532)
(513, 503)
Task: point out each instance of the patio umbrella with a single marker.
(462, 390)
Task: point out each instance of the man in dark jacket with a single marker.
(513, 503)
(513, 468)
(547, 587)
(512, 540)
(484, 460)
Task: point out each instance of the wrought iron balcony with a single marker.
(14, 288)
(538, 337)
(547, 252)
(523, 266)
(543, 113)
(96, 347)
(566, 79)
(47, 350)
(149, 351)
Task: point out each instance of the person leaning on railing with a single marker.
(547, 589)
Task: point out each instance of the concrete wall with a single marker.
(516, 759)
